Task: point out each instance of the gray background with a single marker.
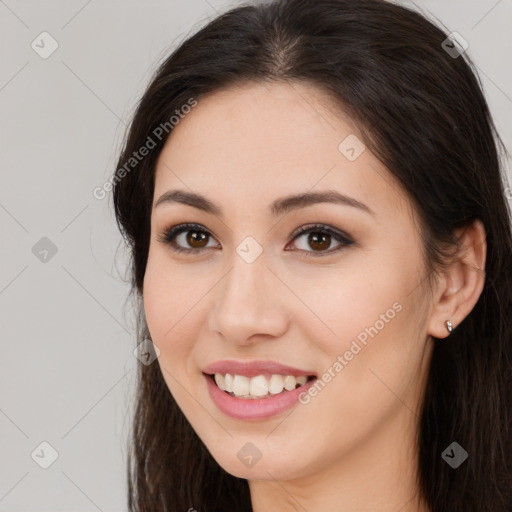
(67, 369)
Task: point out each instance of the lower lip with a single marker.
(254, 409)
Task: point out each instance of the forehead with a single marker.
(252, 143)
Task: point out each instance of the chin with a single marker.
(268, 468)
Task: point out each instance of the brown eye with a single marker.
(196, 239)
(186, 238)
(193, 238)
(318, 240)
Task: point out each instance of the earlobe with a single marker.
(461, 285)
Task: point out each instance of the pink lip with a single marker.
(254, 409)
(254, 368)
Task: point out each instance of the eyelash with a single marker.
(168, 235)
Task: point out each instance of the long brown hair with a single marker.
(422, 112)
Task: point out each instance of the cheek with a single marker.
(366, 319)
(349, 303)
(376, 354)
(169, 301)
(171, 291)
(166, 316)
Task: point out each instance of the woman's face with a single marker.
(345, 301)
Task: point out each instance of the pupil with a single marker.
(196, 239)
(317, 241)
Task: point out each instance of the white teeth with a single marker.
(289, 382)
(301, 380)
(241, 385)
(228, 382)
(276, 384)
(220, 381)
(259, 386)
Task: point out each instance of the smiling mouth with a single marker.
(259, 387)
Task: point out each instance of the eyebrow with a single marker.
(279, 207)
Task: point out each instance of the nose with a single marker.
(247, 305)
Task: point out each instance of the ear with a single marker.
(459, 288)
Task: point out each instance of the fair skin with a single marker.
(352, 447)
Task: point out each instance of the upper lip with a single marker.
(254, 368)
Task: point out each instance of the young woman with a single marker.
(322, 255)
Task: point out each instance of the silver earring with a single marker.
(449, 326)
